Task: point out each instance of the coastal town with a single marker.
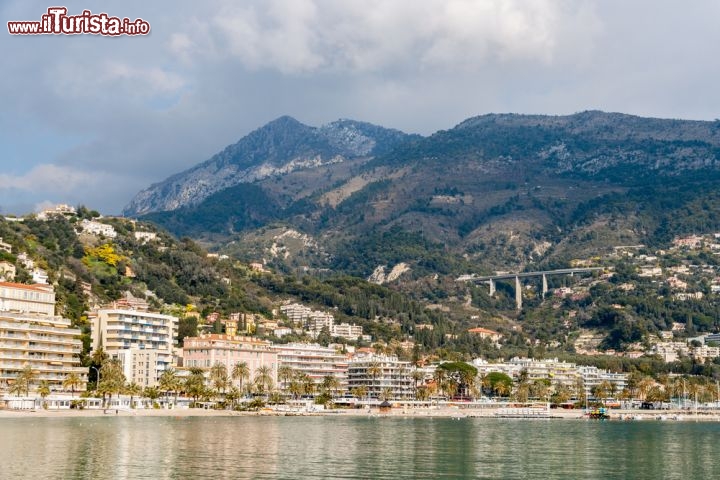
(240, 360)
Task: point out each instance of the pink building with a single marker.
(207, 350)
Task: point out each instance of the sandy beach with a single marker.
(441, 412)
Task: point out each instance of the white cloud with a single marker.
(317, 35)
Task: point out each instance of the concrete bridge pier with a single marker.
(492, 287)
(518, 293)
(544, 286)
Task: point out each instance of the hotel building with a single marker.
(227, 349)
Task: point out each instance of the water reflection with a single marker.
(340, 447)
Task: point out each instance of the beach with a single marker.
(439, 412)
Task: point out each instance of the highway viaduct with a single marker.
(491, 279)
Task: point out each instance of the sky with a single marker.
(92, 120)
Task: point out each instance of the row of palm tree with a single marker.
(27, 376)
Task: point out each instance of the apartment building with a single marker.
(136, 337)
(32, 335)
(314, 360)
(380, 374)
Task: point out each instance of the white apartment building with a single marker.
(127, 334)
(319, 320)
(559, 373)
(145, 237)
(296, 313)
(379, 373)
(347, 331)
(31, 334)
(33, 299)
(593, 376)
(96, 228)
(314, 360)
(141, 366)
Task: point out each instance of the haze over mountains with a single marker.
(496, 191)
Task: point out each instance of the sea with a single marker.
(329, 447)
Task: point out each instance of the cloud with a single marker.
(93, 120)
(59, 184)
(325, 35)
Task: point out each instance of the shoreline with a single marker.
(454, 413)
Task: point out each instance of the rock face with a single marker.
(282, 146)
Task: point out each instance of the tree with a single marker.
(522, 392)
(195, 383)
(219, 376)
(285, 374)
(112, 378)
(263, 378)
(500, 383)
(359, 392)
(25, 379)
(295, 388)
(417, 377)
(240, 371)
(44, 389)
(169, 382)
(330, 384)
(232, 395)
(561, 395)
(133, 389)
(72, 381)
(151, 393)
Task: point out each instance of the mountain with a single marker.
(280, 147)
(496, 192)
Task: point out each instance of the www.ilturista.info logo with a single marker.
(58, 22)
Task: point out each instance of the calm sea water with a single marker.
(357, 448)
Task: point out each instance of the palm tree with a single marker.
(113, 378)
(439, 376)
(240, 371)
(263, 378)
(72, 381)
(374, 369)
(417, 377)
(151, 393)
(285, 374)
(195, 383)
(562, 394)
(385, 394)
(219, 376)
(232, 395)
(467, 382)
(522, 392)
(295, 388)
(502, 389)
(17, 388)
(133, 389)
(330, 383)
(25, 379)
(169, 382)
(44, 389)
(644, 386)
(307, 383)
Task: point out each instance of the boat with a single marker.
(598, 414)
